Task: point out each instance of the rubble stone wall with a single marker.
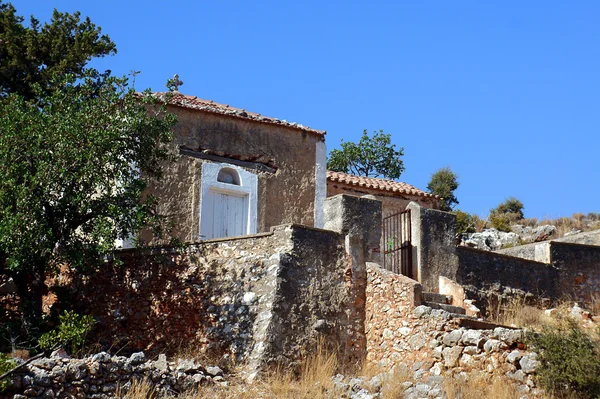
(260, 299)
(431, 343)
(103, 376)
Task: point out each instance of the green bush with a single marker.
(6, 363)
(465, 222)
(570, 360)
(70, 334)
(507, 213)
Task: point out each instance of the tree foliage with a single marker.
(443, 183)
(69, 176)
(30, 56)
(506, 213)
(372, 156)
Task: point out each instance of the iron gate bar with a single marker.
(397, 237)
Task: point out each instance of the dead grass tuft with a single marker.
(480, 386)
(516, 312)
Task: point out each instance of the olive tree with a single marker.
(70, 180)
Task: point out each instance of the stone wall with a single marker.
(284, 197)
(260, 299)
(431, 343)
(538, 251)
(434, 245)
(576, 267)
(579, 271)
(103, 376)
(485, 274)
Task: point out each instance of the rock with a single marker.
(249, 298)
(214, 371)
(187, 366)
(508, 336)
(514, 357)
(421, 311)
(161, 364)
(490, 240)
(451, 356)
(101, 357)
(493, 345)
(387, 333)
(60, 353)
(137, 358)
(528, 234)
(472, 337)
(452, 338)
(529, 363)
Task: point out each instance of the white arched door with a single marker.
(227, 201)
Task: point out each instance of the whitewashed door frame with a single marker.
(248, 188)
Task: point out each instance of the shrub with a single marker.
(500, 221)
(569, 360)
(70, 334)
(465, 222)
(511, 205)
(6, 364)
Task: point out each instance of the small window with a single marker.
(228, 176)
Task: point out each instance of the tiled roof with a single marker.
(376, 184)
(190, 102)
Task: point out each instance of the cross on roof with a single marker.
(177, 82)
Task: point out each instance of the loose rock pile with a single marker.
(492, 239)
(101, 376)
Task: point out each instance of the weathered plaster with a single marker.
(320, 182)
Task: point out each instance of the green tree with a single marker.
(506, 213)
(31, 56)
(374, 156)
(69, 177)
(443, 183)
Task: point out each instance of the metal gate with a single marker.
(397, 249)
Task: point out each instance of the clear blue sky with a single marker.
(506, 93)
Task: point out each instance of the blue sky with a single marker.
(505, 93)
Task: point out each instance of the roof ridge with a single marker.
(377, 183)
(194, 102)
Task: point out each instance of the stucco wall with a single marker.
(389, 203)
(434, 245)
(286, 196)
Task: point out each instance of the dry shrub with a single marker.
(392, 382)
(314, 381)
(139, 390)
(478, 386)
(516, 312)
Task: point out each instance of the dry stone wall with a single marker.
(431, 342)
(103, 376)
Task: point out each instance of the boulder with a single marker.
(490, 240)
(529, 234)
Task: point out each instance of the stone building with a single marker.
(394, 196)
(239, 172)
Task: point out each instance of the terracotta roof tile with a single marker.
(376, 184)
(191, 102)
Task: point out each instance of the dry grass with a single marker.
(392, 382)
(479, 386)
(139, 390)
(516, 313)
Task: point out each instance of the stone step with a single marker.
(446, 307)
(437, 298)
